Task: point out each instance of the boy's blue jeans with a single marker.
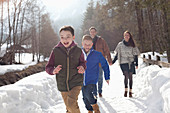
(100, 82)
(88, 96)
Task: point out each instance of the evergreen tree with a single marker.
(48, 37)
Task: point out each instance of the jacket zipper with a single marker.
(86, 55)
(67, 70)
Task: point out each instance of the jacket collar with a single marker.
(85, 55)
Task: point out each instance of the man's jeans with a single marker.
(88, 97)
(100, 82)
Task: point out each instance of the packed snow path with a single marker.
(38, 93)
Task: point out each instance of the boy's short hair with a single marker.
(87, 37)
(92, 28)
(67, 28)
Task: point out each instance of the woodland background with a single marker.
(147, 20)
(26, 22)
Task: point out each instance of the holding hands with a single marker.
(136, 67)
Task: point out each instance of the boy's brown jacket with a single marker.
(102, 47)
(70, 59)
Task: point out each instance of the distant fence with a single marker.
(149, 61)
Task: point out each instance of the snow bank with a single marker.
(17, 67)
(153, 86)
(26, 59)
(34, 94)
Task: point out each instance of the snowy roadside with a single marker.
(26, 60)
(38, 93)
(153, 87)
(11, 68)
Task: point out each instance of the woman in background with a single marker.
(127, 55)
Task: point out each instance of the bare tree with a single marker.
(1, 23)
(23, 24)
(21, 35)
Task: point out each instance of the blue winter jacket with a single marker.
(91, 74)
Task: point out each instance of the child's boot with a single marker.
(126, 91)
(130, 93)
(96, 108)
(90, 111)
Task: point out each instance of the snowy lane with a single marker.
(121, 105)
(38, 93)
(113, 100)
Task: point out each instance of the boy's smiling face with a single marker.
(87, 45)
(66, 38)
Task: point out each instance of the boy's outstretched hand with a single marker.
(107, 82)
(57, 69)
(80, 69)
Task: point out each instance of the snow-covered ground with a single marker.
(38, 93)
(26, 60)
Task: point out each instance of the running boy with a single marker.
(91, 74)
(67, 63)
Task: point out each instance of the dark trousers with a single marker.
(88, 96)
(128, 71)
(128, 75)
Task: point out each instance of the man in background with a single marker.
(99, 44)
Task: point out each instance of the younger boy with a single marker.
(67, 63)
(91, 74)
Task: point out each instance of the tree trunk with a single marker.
(16, 28)
(166, 30)
(14, 36)
(9, 41)
(21, 36)
(33, 43)
(159, 38)
(152, 29)
(140, 24)
(1, 25)
(39, 37)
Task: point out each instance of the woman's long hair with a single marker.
(131, 41)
